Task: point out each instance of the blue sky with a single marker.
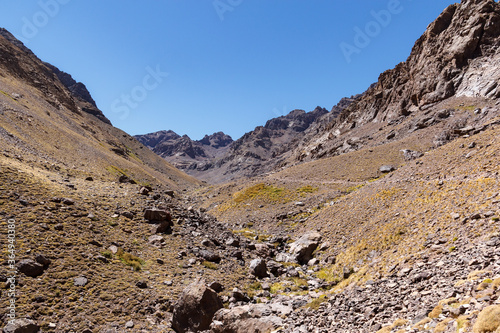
(198, 67)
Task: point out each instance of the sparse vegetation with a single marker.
(316, 303)
(488, 320)
(130, 260)
(210, 265)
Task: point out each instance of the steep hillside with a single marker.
(458, 56)
(55, 125)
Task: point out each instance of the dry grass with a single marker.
(488, 320)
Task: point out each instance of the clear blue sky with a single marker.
(231, 64)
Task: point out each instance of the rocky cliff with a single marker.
(457, 56)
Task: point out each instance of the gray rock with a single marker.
(410, 155)
(195, 308)
(246, 319)
(80, 281)
(258, 268)
(302, 249)
(387, 168)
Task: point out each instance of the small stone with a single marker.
(141, 284)
(41, 259)
(59, 227)
(129, 324)
(68, 201)
(144, 191)
(80, 281)
(128, 215)
(168, 283)
(113, 249)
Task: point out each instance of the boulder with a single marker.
(164, 228)
(302, 249)
(195, 308)
(209, 256)
(387, 168)
(258, 268)
(157, 215)
(21, 325)
(30, 267)
(253, 318)
(80, 281)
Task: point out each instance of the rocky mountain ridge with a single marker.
(457, 56)
(261, 150)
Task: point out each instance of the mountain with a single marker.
(458, 56)
(51, 121)
(217, 158)
(376, 217)
(194, 157)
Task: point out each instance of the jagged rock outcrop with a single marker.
(217, 158)
(42, 72)
(457, 55)
(186, 154)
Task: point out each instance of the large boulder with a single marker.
(258, 268)
(254, 318)
(195, 308)
(30, 267)
(301, 250)
(157, 215)
(21, 325)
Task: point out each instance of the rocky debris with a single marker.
(21, 325)
(30, 267)
(258, 268)
(253, 318)
(410, 155)
(411, 292)
(302, 249)
(195, 308)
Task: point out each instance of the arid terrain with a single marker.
(381, 215)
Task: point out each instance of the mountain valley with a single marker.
(381, 215)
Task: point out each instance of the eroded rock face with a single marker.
(457, 55)
(195, 308)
